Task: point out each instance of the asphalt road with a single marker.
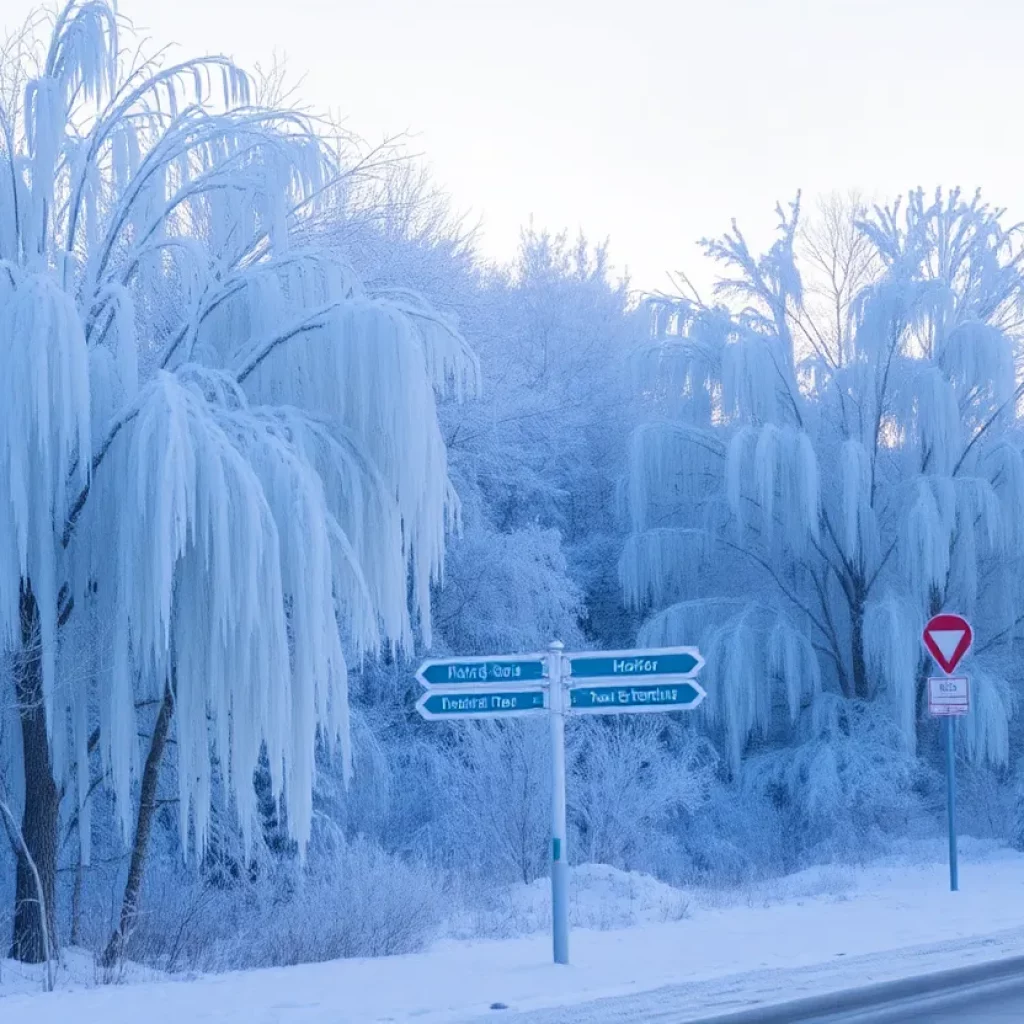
(990, 1004)
(997, 1008)
(991, 1001)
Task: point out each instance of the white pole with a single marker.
(559, 855)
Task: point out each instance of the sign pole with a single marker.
(948, 637)
(954, 880)
(588, 683)
(559, 856)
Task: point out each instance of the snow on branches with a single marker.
(865, 481)
(221, 458)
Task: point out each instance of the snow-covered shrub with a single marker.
(362, 902)
(495, 814)
(508, 591)
(627, 782)
(732, 839)
(359, 901)
(845, 794)
(600, 897)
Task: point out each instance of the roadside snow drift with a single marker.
(796, 935)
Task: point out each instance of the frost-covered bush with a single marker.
(357, 901)
(494, 815)
(629, 778)
(845, 794)
(508, 591)
(734, 838)
(361, 902)
(600, 897)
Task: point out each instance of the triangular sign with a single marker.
(948, 638)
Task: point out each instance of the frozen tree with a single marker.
(833, 453)
(224, 475)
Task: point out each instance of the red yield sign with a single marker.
(948, 638)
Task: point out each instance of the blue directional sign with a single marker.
(473, 671)
(486, 703)
(633, 698)
(652, 665)
(549, 685)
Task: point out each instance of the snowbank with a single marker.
(828, 927)
(600, 897)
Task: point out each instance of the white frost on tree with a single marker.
(852, 475)
(221, 457)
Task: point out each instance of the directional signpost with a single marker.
(669, 662)
(435, 704)
(472, 671)
(598, 683)
(618, 700)
(948, 638)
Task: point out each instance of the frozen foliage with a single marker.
(628, 783)
(507, 591)
(805, 493)
(221, 455)
(234, 444)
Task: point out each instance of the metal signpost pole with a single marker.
(559, 856)
(948, 637)
(954, 880)
(590, 683)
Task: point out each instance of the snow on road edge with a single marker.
(819, 929)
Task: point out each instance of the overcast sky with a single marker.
(649, 122)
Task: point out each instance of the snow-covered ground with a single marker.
(828, 927)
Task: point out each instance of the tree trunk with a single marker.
(115, 950)
(76, 905)
(42, 801)
(860, 668)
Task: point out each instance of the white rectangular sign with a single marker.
(949, 695)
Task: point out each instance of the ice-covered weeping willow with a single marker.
(220, 456)
(802, 501)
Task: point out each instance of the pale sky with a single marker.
(652, 122)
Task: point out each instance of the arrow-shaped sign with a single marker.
(485, 703)
(500, 668)
(655, 664)
(634, 698)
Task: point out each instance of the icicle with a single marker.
(926, 543)
(791, 657)
(856, 492)
(805, 499)
(668, 462)
(1005, 465)
(979, 356)
(938, 420)
(767, 455)
(785, 470)
(750, 379)
(659, 565)
(892, 648)
(735, 472)
(983, 735)
(44, 446)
